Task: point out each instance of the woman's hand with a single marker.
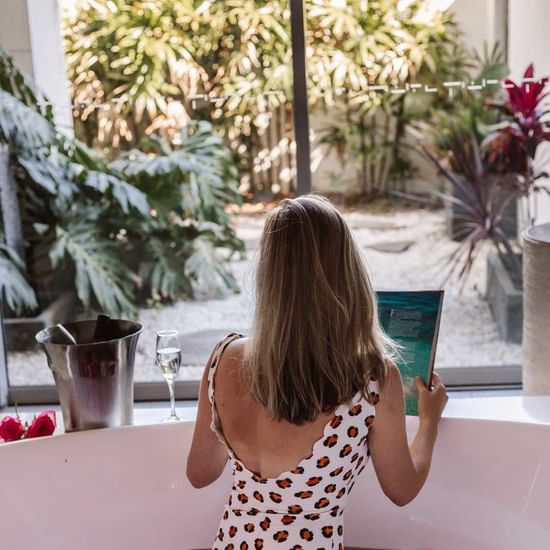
(400, 469)
(431, 402)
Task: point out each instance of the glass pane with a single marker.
(400, 91)
(384, 79)
(182, 111)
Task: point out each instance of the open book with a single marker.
(411, 319)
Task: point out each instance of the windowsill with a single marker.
(510, 408)
(497, 406)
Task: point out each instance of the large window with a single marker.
(201, 115)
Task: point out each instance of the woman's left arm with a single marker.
(207, 455)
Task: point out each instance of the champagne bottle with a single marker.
(102, 329)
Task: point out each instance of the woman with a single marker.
(301, 405)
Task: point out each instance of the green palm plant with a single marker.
(24, 118)
(380, 43)
(187, 182)
(89, 226)
(193, 175)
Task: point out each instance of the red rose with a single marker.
(11, 428)
(43, 424)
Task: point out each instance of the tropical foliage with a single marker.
(462, 111)
(101, 229)
(138, 67)
(482, 199)
(16, 290)
(490, 166)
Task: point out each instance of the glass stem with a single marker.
(172, 398)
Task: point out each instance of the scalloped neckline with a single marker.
(314, 446)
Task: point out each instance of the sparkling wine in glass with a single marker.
(169, 361)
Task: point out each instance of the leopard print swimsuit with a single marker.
(301, 508)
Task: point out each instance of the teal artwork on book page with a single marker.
(411, 319)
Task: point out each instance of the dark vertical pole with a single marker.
(300, 103)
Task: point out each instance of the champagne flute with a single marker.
(169, 360)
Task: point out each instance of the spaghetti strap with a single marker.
(220, 347)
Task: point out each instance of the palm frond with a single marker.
(101, 278)
(163, 269)
(50, 172)
(126, 195)
(19, 85)
(207, 270)
(23, 127)
(18, 293)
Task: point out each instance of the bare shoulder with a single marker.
(235, 348)
(233, 354)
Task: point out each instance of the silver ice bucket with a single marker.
(94, 379)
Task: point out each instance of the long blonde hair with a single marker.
(315, 339)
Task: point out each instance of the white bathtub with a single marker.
(126, 489)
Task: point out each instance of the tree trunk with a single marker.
(11, 215)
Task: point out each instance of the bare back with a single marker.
(290, 483)
(266, 446)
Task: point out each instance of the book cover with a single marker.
(411, 318)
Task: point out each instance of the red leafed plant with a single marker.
(487, 177)
(12, 429)
(512, 145)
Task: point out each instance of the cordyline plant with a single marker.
(481, 202)
(512, 145)
(487, 177)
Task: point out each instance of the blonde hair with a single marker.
(316, 339)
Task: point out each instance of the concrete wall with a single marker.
(30, 31)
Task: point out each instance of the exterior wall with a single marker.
(529, 42)
(331, 176)
(481, 21)
(30, 31)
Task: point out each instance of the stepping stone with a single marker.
(196, 347)
(392, 247)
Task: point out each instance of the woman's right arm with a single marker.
(402, 470)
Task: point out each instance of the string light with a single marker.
(448, 86)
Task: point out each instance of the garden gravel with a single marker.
(468, 334)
